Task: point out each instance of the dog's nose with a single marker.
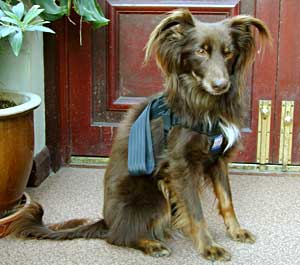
(220, 84)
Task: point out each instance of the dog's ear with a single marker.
(242, 33)
(243, 36)
(241, 29)
(169, 30)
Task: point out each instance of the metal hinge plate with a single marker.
(286, 132)
(263, 132)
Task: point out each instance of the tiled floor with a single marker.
(268, 206)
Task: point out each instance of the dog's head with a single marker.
(210, 54)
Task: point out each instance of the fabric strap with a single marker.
(140, 150)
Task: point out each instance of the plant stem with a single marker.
(69, 7)
(80, 31)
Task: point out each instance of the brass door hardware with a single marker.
(286, 133)
(263, 131)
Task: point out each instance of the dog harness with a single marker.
(141, 159)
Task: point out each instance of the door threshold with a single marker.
(234, 168)
(88, 161)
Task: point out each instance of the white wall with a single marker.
(26, 73)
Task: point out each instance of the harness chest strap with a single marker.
(141, 159)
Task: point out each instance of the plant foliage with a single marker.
(89, 10)
(15, 20)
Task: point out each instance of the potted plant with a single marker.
(16, 107)
(16, 152)
(16, 117)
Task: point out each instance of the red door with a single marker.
(105, 75)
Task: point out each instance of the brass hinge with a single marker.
(263, 132)
(286, 133)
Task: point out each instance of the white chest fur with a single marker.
(231, 132)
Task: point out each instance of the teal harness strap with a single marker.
(140, 151)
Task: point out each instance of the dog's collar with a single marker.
(159, 108)
(141, 159)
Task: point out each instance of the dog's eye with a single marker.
(201, 52)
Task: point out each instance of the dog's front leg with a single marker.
(223, 193)
(185, 176)
(189, 217)
(209, 249)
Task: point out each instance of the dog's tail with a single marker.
(30, 225)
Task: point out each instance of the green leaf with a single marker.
(67, 4)
(52, 11)
(39, 22)
(4, 6)
(90, 11)
(1, 13)
(11, 15)
(15, 41)
(32, 13)
(10, 20)
(19, 10)
(39, 28)
(5, 31)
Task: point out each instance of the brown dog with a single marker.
(204, 67)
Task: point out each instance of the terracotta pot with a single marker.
(6, 221)
(16, 145)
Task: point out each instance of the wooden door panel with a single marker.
(288, 73)
(129, 29)
(263, 80)
(83, 133)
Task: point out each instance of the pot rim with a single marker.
(32, 101)
(17, 213)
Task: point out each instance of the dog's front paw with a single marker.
(154, 248)
(242, 235)
(216, 252)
